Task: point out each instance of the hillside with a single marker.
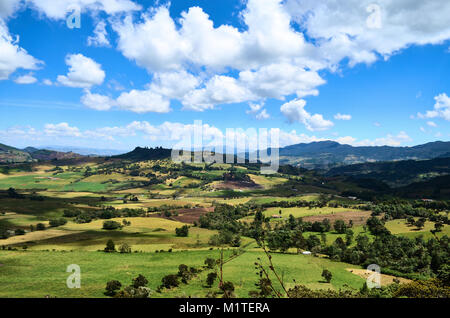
(328, 154)
(396, 173)
(437, 188)
(141, 154)
(45, 155)
(10, 154)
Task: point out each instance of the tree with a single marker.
(340, 226)
(57, 222)
(438, 226)
(170, 281)
(125, 248)
(327, 275)
(228, 289)
(111, 225)
(40, 227)
(182, 232)
(420, 223)
(210, 263)
(298, 241)
(12, 193)
(210, 279)
(19, 232)
(112, 287)
(139, 281)
(110, 247)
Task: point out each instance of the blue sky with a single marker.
(390, 84)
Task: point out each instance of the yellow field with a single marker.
(137, 225)
(35, 236)
(400, 227)
(304, 211)
(267, 182)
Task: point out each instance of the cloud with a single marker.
(340, 116)
(59, 9)
(61, 130)
(389, 140)
(219, 90)
(174, 84)
(12, 56)
(8, 7)
(431, 124)
(100, 37)
(143, 102)
(441, 108)
(96, 101)
(26, 79)
(83, 72)
(345, 29)
(47, 82)
(258, 111)
(138, 101)
(295, 111)
(262, 115)
(272, 58)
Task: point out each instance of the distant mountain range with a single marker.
(316, 155)
(329, 154)
(87, 151)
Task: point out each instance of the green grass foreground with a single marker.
(41, 273)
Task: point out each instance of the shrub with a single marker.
(111, 225)
(125, 248)
(170, 281)
(228, 289)
(19, 232)
(110, 247)
(327, 275)
(210, 279)
(139, 281)
(57, 222)
(40, 227)
(112, 287)
(182, 232)
(210, 263)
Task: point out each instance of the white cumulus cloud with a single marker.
(295, 111)
(84, 72)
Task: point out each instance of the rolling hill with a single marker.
(10, 154)
(396, 173)
(329, 154)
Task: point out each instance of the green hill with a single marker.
(10, 154)
(396, 173)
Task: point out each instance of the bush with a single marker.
(112, 287)
(210, 263)
(110, 247)
(182, 232)
(19, 232)
(57, 222)
(40, 227)
(140, 281)
(228, 289)
(170, 281)
(125, 248)
(111, 225)
(210, 279)
(327, 275)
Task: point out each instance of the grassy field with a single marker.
(144, 234)
(37, 274)
(304, 211)
(399, 227)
